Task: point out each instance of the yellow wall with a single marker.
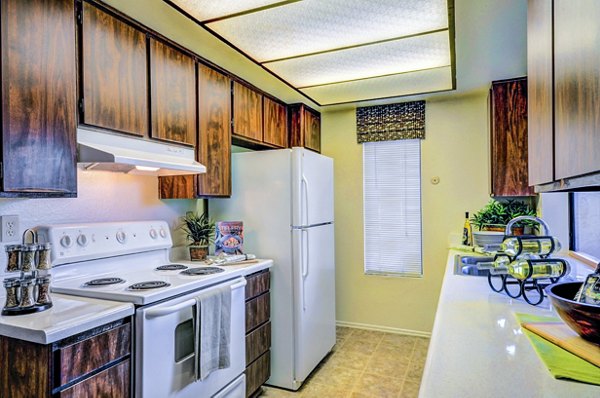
(455, 151)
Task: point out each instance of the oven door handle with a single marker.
(156, 312)
(238, 285)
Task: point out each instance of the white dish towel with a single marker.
(213, 317)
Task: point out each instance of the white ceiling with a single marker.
(339, 51)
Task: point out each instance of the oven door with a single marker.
(165, 345)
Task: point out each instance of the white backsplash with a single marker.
(102, 196)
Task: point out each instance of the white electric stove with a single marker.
(129, 262)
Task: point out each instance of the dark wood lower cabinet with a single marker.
(95, 363)
(258, 332)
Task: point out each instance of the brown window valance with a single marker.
(391, 122)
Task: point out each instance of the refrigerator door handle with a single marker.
(305, 260)
(305, 199)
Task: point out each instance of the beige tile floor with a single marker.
(365, 364)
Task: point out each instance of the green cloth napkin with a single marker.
(561, 363)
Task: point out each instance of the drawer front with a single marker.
(81, 358)
(257, 284)
(258, 373)
(258, 342)
(257, 311)
(112, 382)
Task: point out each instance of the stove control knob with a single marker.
(153, 233)
(66, 241)
(121, 237)
(163, 233)
(82, 240)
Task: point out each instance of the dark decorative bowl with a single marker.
(582, 318)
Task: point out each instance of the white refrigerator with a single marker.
(285, 199)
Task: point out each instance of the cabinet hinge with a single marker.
(81, 106)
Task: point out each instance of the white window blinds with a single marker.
(392, 207)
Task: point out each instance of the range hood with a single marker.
(98, 150)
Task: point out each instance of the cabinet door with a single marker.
(577, 87)
(247, 112)
(114, 71)
(312, 131)
(112, 382)
(540, 101)
(509, 139)
(38, 97)
(275, 128)
(214, 147)
(173, 94)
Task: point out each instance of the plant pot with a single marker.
(198, 252)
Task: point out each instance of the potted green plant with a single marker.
(200, 230)
(495, 215)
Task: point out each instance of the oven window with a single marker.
(184, 340)
(585, 223)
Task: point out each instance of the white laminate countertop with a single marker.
(478, 349)
(71, 315)
(68, 316)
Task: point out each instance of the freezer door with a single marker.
(314, 293)
(312, 188)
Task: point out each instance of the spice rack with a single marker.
(28, 291)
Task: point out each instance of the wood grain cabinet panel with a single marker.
(304, 127)
(275, 120)
(258, 311)
(510, 176)
(39, 97)
(173, 94)
(112, 382)
(577, 87)
(114, 67)
(540, 98)
(257, 373)
(214, 148)
(257, 284)
(24, 368)
(247, 112)
(258, 342)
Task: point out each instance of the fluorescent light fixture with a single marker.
(397, 56)
(310, 26)
(204, 10)
(146, 168)
(403, 84)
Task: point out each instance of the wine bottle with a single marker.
(536, 269)
(533, 245)
(466, 238)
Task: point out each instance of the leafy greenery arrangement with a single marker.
(499, 214)
(200, 229)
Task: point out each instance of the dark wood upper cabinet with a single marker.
(114, 73)
(305, 127)
(247, 112)
(214, 149)
(38, 98)
(577, 87)
(540, 99)
(275, 123)
(510, 176)
(173, 94)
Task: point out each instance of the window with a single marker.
(392, 207)
(585, 222)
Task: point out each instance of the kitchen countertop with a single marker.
(478, 349)
(73, 314)
(68, 316)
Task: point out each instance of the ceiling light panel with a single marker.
(419, 82)
(310, 26)
(204, 10)
(403, 55)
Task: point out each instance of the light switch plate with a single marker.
(10, 229)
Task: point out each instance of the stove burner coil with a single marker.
(202, 271)
(104, 282)
(148, 285)
(171, 267)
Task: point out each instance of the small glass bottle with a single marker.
(538, 269)
(27, 300)
(12, 286)
(43, 261)
(28, 257)
(590, 290)
(12, 257)
(43, 295)
(539, 246)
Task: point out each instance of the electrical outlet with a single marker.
(10, 228)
